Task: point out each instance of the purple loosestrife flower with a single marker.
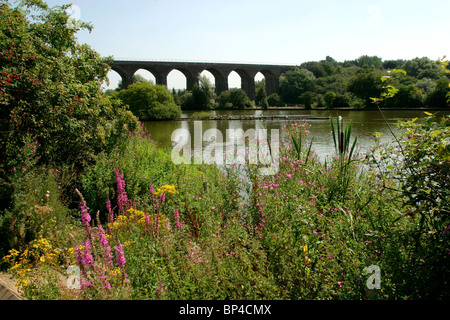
(177, 219)
(152, 191)
(120, 255)
(110, 212)
(107, 254)
(122, 199)
(85, 217)
(106, 284)
(83, 254)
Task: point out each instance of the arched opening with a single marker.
(234, 80)
(208, 75)
(176, 81)
(143, 75)
(260, 80)
(272, 82)
(114, 80)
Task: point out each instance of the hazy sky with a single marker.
(262, 31)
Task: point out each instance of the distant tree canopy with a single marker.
(294, 83)
(150, 102)
(331, 84)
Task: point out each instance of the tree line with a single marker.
(315, 84)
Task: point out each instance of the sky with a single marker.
(263, 31)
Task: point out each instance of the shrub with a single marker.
(201, 115)
(150, 102)
(50, 91)
(235, 99)
(274, 100)
(329, 98)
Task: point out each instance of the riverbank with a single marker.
(254, 117)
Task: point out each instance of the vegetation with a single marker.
(52, 111)
(150, 102)
(234, 99)
(330, 84)
(96, 211)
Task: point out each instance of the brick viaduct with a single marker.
(192, 70)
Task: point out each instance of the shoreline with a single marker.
(290, 117)
(253, 117)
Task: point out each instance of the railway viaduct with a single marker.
(160, 69)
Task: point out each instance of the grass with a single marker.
(186, 232)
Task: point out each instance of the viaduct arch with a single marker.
(160, 69)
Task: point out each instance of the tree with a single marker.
(406, 97)
(308, 98)
(274, 100)
(50, 90)
(329, 99)
(261, 98)
(365, 85)
(422, 68)
(150, 102)
(438, 97)
(294, 83)
(234, 99)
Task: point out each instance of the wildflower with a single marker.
(122, 199)
(289, 176)
(106, 284)
(105, 245)
(177, 219)
(152, 191)
(85, 217)
(120, 255)
(83, 254)
(110, 213)
(167, 189)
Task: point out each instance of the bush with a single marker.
(38, 209)
(150, 102)
(142, 164)
(274, 100)
(51, 93)
(201, 115)
(438, 97)
(234, 99)
(329, 98)
(294, 83)
(51, 88)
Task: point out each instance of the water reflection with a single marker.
(365, 123)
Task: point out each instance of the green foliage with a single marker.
(439, 96)
(201, 115)
(367, 62)
(329, 98)
(307, 99)
(234, 99)
(261, 98)
(365, 85)
(422, 68)
(274, 100)
(50, 91)
(294, 83)
(38, 205)
(139, 160)
(201, 97)
(150, 102)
